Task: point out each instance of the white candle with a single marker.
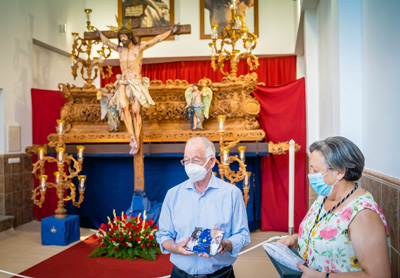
(41, 153)
(60, 155)
(80, 152)
(43, 179)
(291, 184)
(82, 179)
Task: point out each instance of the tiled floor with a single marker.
(21, 248)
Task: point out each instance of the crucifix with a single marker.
(132, 90)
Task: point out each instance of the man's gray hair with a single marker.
(207, 144)
(341, 154)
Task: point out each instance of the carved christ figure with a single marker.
(132, 88)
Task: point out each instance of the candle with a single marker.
(43, 179)
(41, 153)
(214, 31)
(82, 179)
(238, 22)
(246, 183)
(72, 56)
(213, 51)
(57, 175)
(80, 152)
(233, 5)
(225, 156)
(291, 185)
(60, 155)
(88, 11)
(242, 155)
(60, 127)
(221, 120)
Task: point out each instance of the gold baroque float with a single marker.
(166, 121)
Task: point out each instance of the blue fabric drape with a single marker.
(110, 186)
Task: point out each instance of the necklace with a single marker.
(318, 220)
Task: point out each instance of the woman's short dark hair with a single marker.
(341, 154)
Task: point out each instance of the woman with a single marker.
(344, 230)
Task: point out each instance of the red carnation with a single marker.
(103, 226)
(120, 233)
(138, 239)
(151, 238)
(146, 234)
(143, 246)
(102, 245)
(99, 240)
(151, 222)
(155, 227)
(116, 249)
(95, 236)
(124, 244)
(148, 244)
(118, 217)
(128, 225)
(121, 238)
(125, 216)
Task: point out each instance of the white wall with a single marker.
(357, 46)
(50, 68)
(328, 45)
(381, 96)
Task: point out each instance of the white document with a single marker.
(282, 254)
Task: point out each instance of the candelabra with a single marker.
(62, 178)
(235, 30)
(90, 66)
(225, 161)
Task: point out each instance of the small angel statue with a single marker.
(109, 107)
(198, 105)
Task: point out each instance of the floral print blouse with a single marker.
(330, 249)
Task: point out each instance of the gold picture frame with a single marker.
(205, 26)
(169, 3)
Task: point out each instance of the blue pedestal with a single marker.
(60, 231)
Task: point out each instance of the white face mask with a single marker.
(196, 172)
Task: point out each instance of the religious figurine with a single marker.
(109, 108)
(132, 88)
(198, 105)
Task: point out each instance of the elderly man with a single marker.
(202, 201)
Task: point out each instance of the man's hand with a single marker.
(174, 28)
(180, 248)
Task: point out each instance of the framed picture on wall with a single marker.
(218, 12)
(157, 12)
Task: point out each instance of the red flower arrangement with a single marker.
(124, 238)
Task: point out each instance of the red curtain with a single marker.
(272, 71)
(282, 117)
(46, 107)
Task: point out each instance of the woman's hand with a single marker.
(310, 273)
(290, 241)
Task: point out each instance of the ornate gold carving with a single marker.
(166, 120)
(281, 147)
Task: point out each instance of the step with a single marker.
(6, 222)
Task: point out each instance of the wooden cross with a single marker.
(135, 12)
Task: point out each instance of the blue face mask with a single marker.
(319, 185)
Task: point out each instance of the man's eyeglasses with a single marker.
(185, 162)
